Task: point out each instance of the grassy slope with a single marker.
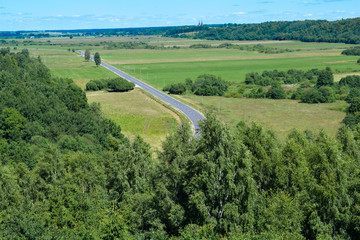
(137, 114)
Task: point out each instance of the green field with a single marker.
(137, 114)
(160, 67)
(158, 74)
(279, 115)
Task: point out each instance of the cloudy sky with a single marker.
(85, 14)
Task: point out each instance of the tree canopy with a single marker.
(66, 172)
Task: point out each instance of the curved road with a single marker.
(190, 112)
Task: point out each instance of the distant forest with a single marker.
(342, 31)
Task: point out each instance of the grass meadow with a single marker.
(279, 115)
(137, 115)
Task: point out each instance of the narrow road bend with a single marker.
(194, 115)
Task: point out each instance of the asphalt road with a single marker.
(191, 113)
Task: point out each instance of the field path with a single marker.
(190, 112)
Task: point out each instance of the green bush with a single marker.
(258, 92)
(115, 85)
(276, 92)
(210, 85)
(350, 81)
(321, 95)
(177, 88)
(120, 85)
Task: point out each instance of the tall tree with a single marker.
(87, 55)
(97, 59)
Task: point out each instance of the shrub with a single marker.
(120, 85)
(325, 78)
(257, 93)
(352, 51)
(328, 94)
(210, 85)
(312, 96)
(350, 81)
(96, 85)
(297, 94)
(177, 88)
(276, 92)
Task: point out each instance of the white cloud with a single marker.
(239, 13)
(337, 11)
(308, 15)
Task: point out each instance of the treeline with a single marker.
(344, 31)
(256, 48)
(355, 51)
(66, 172)
(113, 85)
(204, 85)
(314, 86)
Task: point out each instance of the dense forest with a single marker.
(68, 173)
(344, 31)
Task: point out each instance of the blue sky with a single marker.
(83, 14)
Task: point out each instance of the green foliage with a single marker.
(276, 92)
(210, 85)
(205, 85)
(354, 107)
(68, 173)
(176, 88)
(354, 51)
(87, 55)
(120, 85)
(114, 85)
(97, 59)
(307, 31)
(291, 76)
(325, 78)
(11, 123)
(257, 92)
(350, 81)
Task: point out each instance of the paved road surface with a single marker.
(191, 113)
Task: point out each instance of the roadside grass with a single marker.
(137, 114)
(279, 115)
